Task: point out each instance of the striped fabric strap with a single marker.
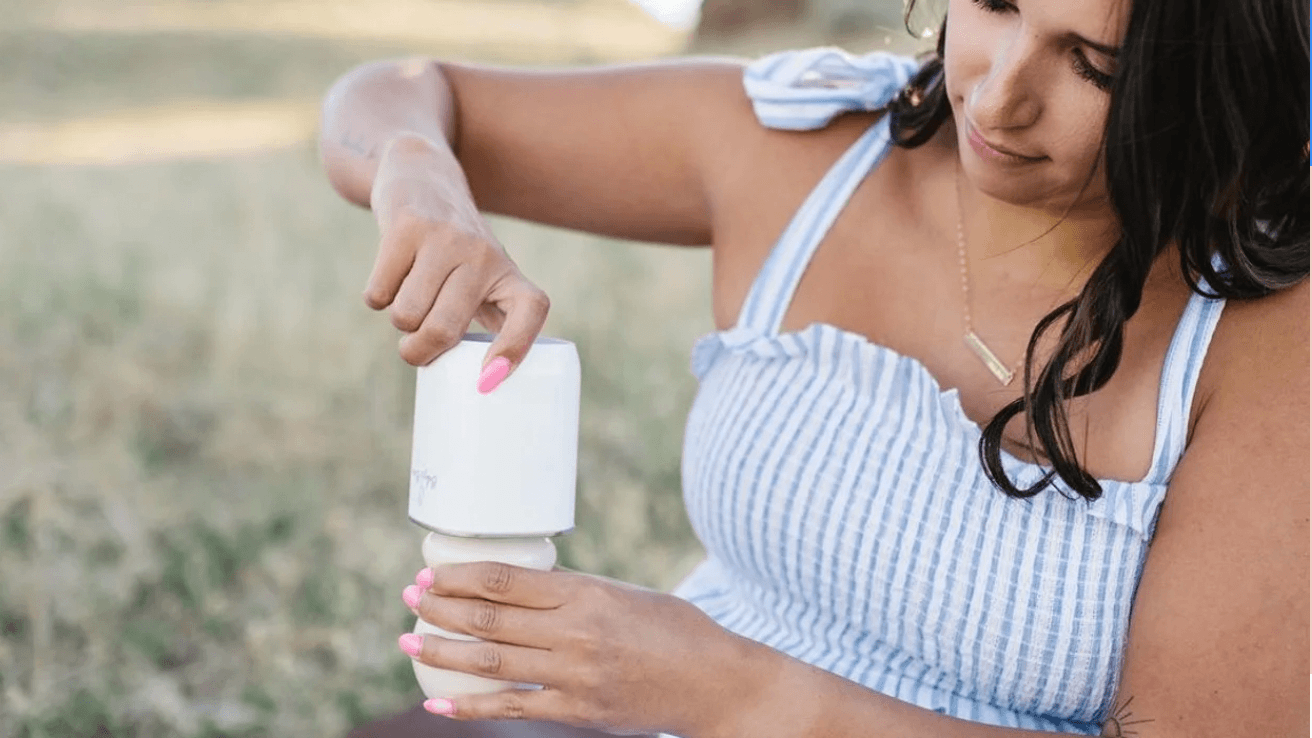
(1179, 380)
(804, 90)
(800, 91)
(772, 291)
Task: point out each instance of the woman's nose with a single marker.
(1007, 97)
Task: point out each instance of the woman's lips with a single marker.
(990, 152)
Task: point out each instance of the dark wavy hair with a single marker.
(1206, 147)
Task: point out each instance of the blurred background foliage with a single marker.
(204, 434)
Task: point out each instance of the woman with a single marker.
(1045, 306)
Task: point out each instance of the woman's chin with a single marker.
(1031, 186)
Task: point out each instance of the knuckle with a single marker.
(432, 652)
(441, 334)
(406, 319)
(538, 302)
(586, 642)
(457, 246)
(499, 578)
(485, 618)
(512, 706)
(601, 716)
(588, 712)
(431, 614)
(488, 660)
(589, 679)
(581, 715)
(601, 597)
(591, 588)
(477, 252)
(415, 356)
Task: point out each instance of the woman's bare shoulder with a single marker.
(1259, 347)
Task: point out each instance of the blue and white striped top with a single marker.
(840, 497)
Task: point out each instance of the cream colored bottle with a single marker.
(531, 553)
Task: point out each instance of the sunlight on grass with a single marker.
(605, 30)
(183, 129)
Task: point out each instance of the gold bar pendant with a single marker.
(990, 360)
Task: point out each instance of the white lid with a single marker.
(500, 464)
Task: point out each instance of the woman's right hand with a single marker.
(439, 267)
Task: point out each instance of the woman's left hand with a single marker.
(609, 656)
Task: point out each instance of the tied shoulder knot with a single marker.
(805, 90)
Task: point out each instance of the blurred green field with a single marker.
(204, 434)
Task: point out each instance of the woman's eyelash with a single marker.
(1083, 68)
(1101, 80)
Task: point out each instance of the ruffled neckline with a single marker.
(1129, 503)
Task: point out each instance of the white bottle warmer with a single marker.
(492, 477)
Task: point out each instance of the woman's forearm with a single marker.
(781, 697)
(371, 106)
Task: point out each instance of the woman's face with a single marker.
(1028, 84)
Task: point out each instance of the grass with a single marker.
(204, 434)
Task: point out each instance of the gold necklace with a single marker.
(977, 346)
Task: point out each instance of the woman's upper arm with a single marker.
(631, 151)
(1218, 641)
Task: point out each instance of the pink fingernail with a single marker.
(411, 643)
(440, 706)
(411, 596)
(424, 579)
(493, 374)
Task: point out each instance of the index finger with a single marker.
(505, 583)
(526, 313)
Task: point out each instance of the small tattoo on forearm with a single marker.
(1118, 726)
(360, 145)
